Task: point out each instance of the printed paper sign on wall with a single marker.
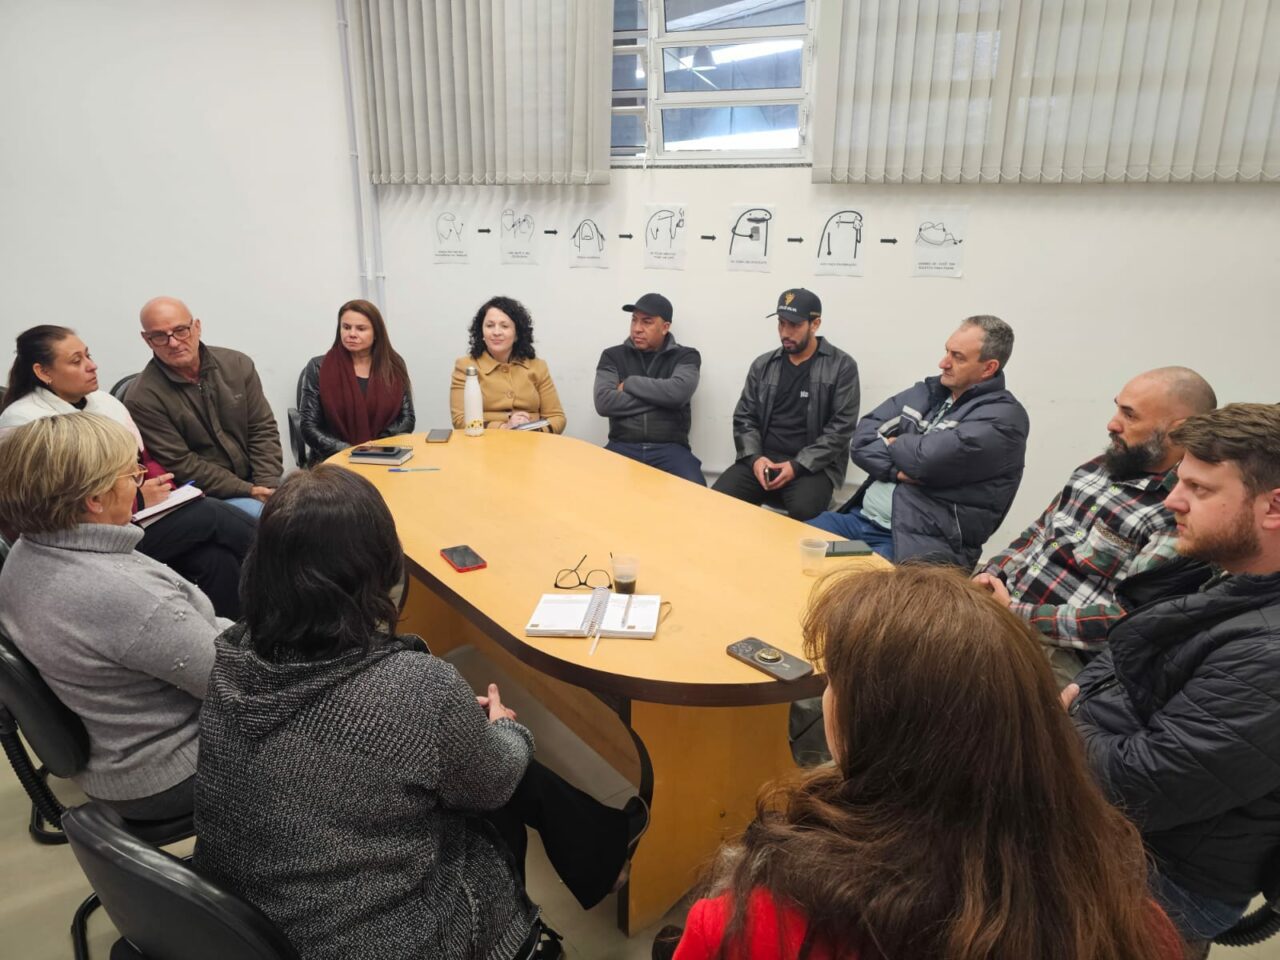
(939, 241)
(450, 242)
(518, 239)
(840, 245)
(749, 242)
(664, 236)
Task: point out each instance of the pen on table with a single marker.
(411, 469)
(626, 611)
(596, 641)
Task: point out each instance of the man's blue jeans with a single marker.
(246, 505)
(673, 458)
(854, 526)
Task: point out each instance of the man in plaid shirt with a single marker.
(1108, 523)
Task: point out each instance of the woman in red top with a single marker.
(958, 820)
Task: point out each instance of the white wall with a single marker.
(200, 150)
(1098, 282)
(184, 148)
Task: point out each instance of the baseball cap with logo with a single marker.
(798, 305)
(654, 304)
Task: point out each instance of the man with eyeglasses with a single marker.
(202, 412)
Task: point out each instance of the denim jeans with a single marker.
(855, 526)
(1196, 916)
(246, 505)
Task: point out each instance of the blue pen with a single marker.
(411, 469)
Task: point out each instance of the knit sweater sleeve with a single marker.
(175, 644)
(477, 764)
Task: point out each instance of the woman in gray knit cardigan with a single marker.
(121, 639)
(351, 785)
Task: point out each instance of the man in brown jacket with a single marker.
(202, 413)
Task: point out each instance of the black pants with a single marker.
(585, 840)
(803, 498)
(205, 542)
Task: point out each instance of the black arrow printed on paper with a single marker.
(550, 231)
(483, 230)
(708, 236)
(625, 236)
(888, 239)
(795, 239)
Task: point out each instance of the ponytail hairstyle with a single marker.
(34, 346)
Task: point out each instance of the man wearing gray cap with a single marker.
(795, 417)
(645, 386)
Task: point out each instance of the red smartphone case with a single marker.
(463, 568)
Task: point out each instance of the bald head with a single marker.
(1186, 392)
(164, 308)
(172, 333)
(1148, 407)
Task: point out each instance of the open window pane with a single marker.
(629, 15)
(628, 135)
(628, 72)
(753, 65)
(772, 127)
(724, 14)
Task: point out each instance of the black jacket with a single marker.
(321, 444)
(968, 467)
(655, 402)
(834, 395)
(1181, 724)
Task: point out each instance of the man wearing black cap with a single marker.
(644, 386)
(795, 417)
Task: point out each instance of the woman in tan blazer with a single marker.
(516, 385)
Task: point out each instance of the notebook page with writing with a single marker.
(641, 619)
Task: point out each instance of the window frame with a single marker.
(653, 43)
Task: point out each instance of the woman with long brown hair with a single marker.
(358, 391)
(958, 820)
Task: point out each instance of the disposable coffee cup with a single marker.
(625, 568)
(812, 552)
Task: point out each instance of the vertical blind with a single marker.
(484, 91)
(1052, 91)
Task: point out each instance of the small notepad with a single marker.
(577, 615)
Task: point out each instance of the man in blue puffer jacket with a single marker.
(944, 458)
(1181, 716)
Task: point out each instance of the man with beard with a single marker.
(1181, 716)
(795, 417)
(1109, 522)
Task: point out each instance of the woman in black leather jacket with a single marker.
(358, 391)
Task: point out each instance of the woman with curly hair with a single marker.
(516, 385)
(958, 820)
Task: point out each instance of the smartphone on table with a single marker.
(439, 436)
(462, 558)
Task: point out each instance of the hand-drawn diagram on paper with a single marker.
(590, 248)
(749, 238)
(664, 236)
(518, 240)
(450, 242)
(938, 248)
(840, 245)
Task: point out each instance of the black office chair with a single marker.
(122, 386)
(163, 909)
(60, 742)
(296, 443)
(1262, 923)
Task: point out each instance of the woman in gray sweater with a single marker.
(351, 785)
(121, 639)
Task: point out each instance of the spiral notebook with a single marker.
(578, 615)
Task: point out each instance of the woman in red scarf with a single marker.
(359, 390)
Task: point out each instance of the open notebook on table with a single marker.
(578, 615)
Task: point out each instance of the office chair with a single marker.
(162, 908)
(60, 742)
(296, 443)
(122, 386)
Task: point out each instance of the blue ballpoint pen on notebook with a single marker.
(411, 469)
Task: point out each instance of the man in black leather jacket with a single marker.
(1181, 716)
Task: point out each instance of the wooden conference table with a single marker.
(697, 732)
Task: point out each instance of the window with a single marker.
(710, 80)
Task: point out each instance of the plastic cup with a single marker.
(625, 568)
(812, 552)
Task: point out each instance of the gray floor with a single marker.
(40, 887)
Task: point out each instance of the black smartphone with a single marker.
(462, 558)
(439, 436)
(847, 548)
(769, 659)
(770, 474)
